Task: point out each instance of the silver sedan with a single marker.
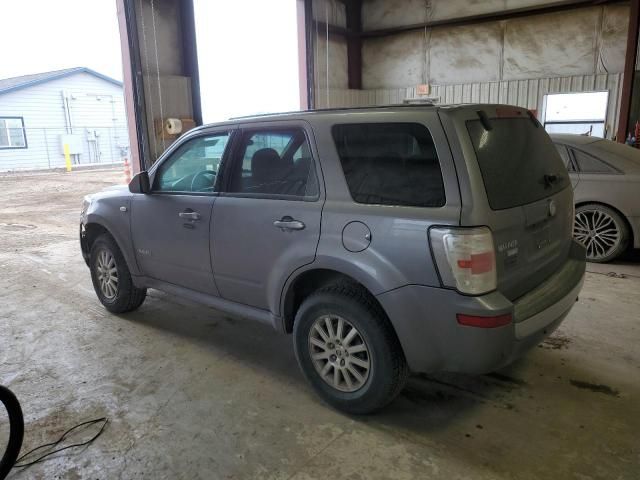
(606, 182)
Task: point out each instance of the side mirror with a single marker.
(140, 183)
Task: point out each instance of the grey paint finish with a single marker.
(252, 257)
(246, 265)
(522, 225)
(105, 211)
(617, 190)
(170, 248)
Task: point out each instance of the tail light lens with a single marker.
(465, 258)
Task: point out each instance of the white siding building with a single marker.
(41, 112)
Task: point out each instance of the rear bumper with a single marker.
(425, 321)
(635, 227)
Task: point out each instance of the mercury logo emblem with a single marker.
(552, 208)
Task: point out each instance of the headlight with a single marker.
(86, 201)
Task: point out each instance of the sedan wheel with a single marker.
(601, 230)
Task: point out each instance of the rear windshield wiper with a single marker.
(550, 179)
(484, 120)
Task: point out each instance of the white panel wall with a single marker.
(97, 106)
(524, 93)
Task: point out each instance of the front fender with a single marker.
(108, 215)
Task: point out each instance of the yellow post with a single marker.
(67, 157)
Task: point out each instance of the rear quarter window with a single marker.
(518, 162)
(390, 164)
(590, 164)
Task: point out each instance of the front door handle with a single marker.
(189, 215)
(288, 223)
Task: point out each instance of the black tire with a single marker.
(16, 431)
(388, 372)
(127, 296)
(621, 226)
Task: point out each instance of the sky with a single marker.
(42, 35)
(248, 62)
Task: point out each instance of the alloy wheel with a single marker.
(107, 274)
(339, 353)
(598, 232)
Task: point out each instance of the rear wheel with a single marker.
(602, 231)
(348, 351)
(111, 277)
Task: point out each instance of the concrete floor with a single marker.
(193, 394)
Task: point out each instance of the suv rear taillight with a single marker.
(465, 258)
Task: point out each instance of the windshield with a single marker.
(518, 161)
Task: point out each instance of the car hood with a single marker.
(116, 188)
(111, 191)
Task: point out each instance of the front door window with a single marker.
(193, 167)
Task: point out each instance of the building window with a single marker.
(577, 113)
(12, 133)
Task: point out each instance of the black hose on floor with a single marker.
(16, 431)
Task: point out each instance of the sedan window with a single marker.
(589, 164)
(566, 159)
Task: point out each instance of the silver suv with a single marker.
(387, 240)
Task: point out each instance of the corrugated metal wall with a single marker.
(524, 93)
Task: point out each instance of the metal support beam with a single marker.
(133, 86)
(354, 43)
(305, 34)
(491, 17)
(629, 70)
(306, 65)
(190, 56)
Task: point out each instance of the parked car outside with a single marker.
(386, 240)
(606, 180)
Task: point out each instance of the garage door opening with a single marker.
(579, 113)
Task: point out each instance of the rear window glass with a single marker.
(390, 164)
(518, 162)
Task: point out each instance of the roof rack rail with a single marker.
(337, 109)
(429, 101)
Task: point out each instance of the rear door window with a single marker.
(274, 163)
(390, 164)
(518, 162)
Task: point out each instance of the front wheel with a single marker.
(602, 231)
(111, 277)
(348, 351)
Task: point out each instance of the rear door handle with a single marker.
(288, 223)
(189, 215)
